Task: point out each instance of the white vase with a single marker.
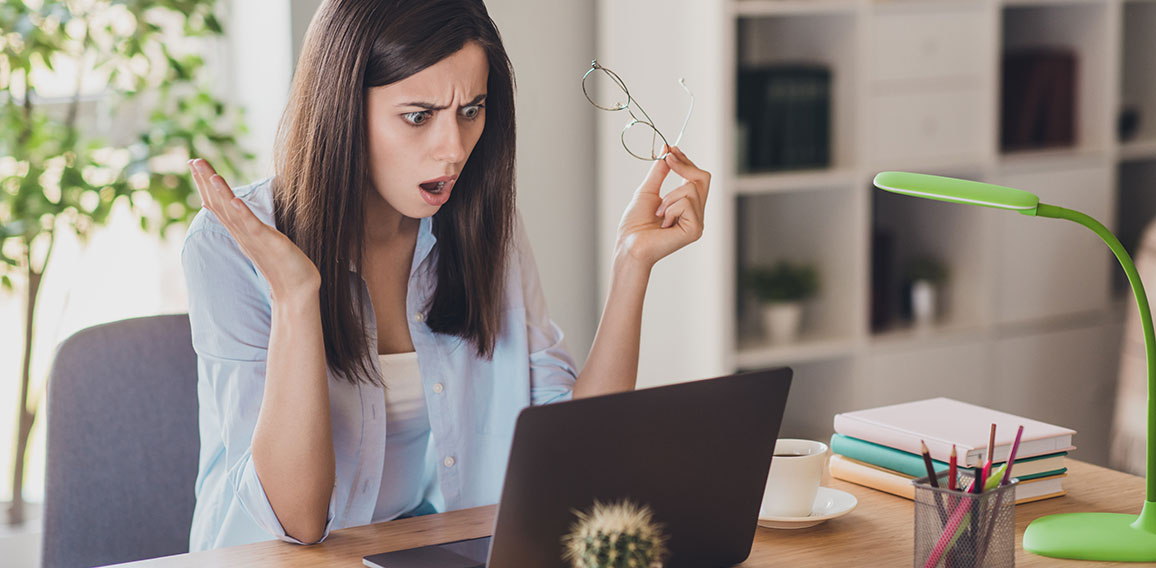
(923, 303)
(781, 320)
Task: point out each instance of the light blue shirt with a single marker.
(472, 402)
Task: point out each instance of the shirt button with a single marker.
(449, 461)
(438, 388)
(418, 317)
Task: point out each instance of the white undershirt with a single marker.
(407, 471)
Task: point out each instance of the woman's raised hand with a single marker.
(291, 274)
(654, 225)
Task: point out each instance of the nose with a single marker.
(448, 139)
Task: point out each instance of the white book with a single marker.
(942, 422)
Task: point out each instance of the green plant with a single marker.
(925, 268)
(615, 535)
(57, 174)
(782, 282)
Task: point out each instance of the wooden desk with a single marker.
(877, 533)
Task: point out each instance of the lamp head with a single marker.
(955, 190)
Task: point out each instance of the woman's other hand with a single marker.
(291, 274)
(653, 225)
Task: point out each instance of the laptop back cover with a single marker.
(696, 453)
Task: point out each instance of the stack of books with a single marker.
(880, 447)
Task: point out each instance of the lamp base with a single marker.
(1110, 537)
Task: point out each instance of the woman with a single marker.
(369, 321)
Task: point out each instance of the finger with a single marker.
(681, 191)
(241, 222)
(682, 156)
(199, 184)
(209, 196)
(681, 211)
(687, 204)
(654, 178)
(688, 171)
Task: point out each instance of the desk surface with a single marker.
(881, 524)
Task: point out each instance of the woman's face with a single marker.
(423, 128)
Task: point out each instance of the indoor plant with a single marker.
(923, 278)
(58, 173)
(781, 289)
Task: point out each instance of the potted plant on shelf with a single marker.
(924, 278)
(782, 290)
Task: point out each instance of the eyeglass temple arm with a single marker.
(688, 112)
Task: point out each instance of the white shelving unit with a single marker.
(1032, 309)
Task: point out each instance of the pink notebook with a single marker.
(942, 422)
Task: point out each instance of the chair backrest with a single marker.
(122, 443)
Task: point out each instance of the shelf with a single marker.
(760, 356)
(1031, 3)
(780, 182)
(815, 228)
(1138, 150)
(1051, 158)
(1135, 210)
(905, 230)
(757, 8)
(1137, 82)
(913, 337)
(1048, 30)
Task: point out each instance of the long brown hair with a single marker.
(322, 167)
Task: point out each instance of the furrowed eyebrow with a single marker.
(429, 106)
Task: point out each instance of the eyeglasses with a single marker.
(640, 137)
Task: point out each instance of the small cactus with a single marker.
(615, 535)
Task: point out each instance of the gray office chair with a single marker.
(122, 443)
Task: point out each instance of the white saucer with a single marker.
(829, 503)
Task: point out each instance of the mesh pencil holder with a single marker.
(956, 529)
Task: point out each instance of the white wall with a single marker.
(550, 43)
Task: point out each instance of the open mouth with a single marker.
(437, 191)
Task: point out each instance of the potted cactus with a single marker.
(782, 290)
(615, 535)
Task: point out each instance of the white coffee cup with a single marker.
(794, 479)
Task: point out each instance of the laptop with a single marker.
(696, 453)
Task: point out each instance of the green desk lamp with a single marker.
(1084, 536)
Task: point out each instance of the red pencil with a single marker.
(951, 470)
(991, 447)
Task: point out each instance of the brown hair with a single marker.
(322, 167)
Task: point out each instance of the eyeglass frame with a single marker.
(595, 66)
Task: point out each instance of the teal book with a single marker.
(912, 464)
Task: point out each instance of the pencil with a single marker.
(1012, 457)
(991, 447)
(951, 470)
(931, 475)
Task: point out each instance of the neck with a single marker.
(384, 224)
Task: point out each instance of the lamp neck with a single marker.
(1054, 212)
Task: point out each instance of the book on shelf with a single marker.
(785, 111)
(912, 465)
(942, 422)
(895, 483)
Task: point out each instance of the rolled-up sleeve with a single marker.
(552, 368)
(230, 317)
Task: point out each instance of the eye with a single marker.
(416, 118)
(472, 112)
